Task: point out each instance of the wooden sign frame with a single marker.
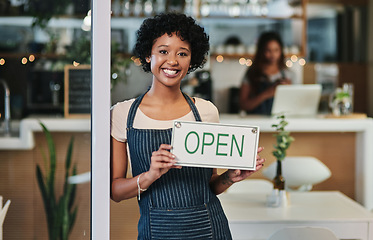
(67, 113)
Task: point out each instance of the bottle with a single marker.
(279, 180)
(279, 185)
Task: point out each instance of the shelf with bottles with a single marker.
(275, 9)
(211, 8)
(63, 21)
(291, 25)
(55, 41)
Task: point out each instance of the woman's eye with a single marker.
(163, 51)
(183, 54)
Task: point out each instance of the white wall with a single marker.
(225, 75)
(137, 83)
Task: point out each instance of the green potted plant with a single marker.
(60, 212)
(283, 141)
(341, 102)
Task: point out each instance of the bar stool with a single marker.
(300, 172)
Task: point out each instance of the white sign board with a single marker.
(199, 144)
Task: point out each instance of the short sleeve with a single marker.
(118, 120)
(207, 110)
(245, 78)
(290, 75)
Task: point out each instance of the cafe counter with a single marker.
(344, 145)
(23, 131)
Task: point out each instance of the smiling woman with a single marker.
(175, 202)
(170, 59)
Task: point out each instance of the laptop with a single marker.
(300, 100)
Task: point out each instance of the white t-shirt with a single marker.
(272, 78)
(119, 112)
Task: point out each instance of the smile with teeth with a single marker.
(170, 71)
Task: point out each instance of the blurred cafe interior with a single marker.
(45, 74)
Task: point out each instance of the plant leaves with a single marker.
(59, 218)
(73, 190)
(283, 138)
(52, 159)
(72, 218)
(69, 154)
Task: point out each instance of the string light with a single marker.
(24, 60)
(294, 58)
(242, 61)
(2, 61)
(302, 62)
(249, 62)
(220, 58)
(31, 58)
(76, 64)
(289, 63)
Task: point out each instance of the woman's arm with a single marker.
(249, 102)
(121, 187)
(124, 188)
(220, 183)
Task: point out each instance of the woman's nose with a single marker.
(172, 61)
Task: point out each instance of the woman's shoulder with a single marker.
(207, 110)
(118, 123)
(119, 111)
(122, 107)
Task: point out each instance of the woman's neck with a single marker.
(164, 95)
(164, 103)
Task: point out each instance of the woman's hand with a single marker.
(285, 81)
(161, 161)
(237, 175)
(270, 91)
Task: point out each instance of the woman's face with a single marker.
(170, 59)
(272, 52)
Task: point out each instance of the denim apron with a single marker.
(180, 204)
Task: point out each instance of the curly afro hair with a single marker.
(185, 27)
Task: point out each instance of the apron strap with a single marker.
(133, 110)
(136, 103)
(193, 107)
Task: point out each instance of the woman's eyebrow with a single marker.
(182, 48)
(162, 46)
(186, 49)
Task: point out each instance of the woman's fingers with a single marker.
(162, 158)
(260, 149)
(164, 153)
(165, 147)
(176, 166)
(260, 161)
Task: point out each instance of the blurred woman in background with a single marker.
(266, 73)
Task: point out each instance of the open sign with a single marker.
(199, 144)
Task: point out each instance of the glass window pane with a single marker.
(43, 46)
